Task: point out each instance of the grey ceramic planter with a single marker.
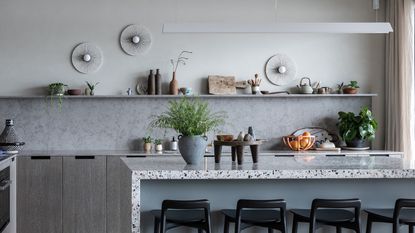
(192, 148)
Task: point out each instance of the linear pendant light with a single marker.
(359, 28)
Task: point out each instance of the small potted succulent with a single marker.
(351, 88)
(159, 145)
(192, 119)
(357, 130)
(91, 88)
(57, 90)
(148, 145)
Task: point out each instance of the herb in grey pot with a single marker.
(10, 142)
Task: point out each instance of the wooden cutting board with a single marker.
(221, 85)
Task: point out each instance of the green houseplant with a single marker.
(57, 90)
(159, 145)
(351, 88)
(147, 143)
(192, 119)
(357, 130)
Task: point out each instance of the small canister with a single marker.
(173, 144)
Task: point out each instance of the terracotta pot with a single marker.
(174, 85)
(147, 147)
(350, 90)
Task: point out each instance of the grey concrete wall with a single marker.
(297, 193)
(119, 124)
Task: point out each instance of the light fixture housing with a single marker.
(346, 28)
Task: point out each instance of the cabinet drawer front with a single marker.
(84, 194)
(39, 194)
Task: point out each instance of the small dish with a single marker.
(225, 137)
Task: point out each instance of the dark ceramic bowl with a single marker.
(74, 92)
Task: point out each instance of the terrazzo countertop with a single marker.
(272, 167)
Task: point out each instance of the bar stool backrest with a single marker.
(261, 204)
(402, 204)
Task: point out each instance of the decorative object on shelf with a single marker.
(90, 90)
(135, 39)
(274, 92)
(280, 69)
(221, 85)
(255, 84)
(248, 138)
(74, 92)
(224, 137)
(241, 136)
(129, 91)
(327, 145)
(251, 132)
(87, 58)
(351, 88)
(148, 143)
(324, 90)
(192, 119)
(151, 84)
(321, 134)
(10, 142)
(242, 84)
(305, 87)
(181, 60)
(340, 88)
(173, 144)
(187, 91)
(357, 131)
(158, 82)
(299, 143)
(159, 145)
(141, 88)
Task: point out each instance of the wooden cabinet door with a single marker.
(113, 194)
(39, 194)
(84, 194)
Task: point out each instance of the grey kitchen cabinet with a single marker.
(113, 194)
(84, 194)
(39, 194)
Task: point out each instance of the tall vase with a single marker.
(151, 85)
(10, 142)
(158, 82)
(174, 85)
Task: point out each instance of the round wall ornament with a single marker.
(135, 39)
(280, 69)
(87, 58)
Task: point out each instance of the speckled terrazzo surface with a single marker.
(268, 167)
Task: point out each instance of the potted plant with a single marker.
(57, 90)
(192, 119)
(91, 88)
(159, 145)
(147, 143)
(357, 131)
(352, 88)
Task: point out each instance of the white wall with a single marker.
(37, 37)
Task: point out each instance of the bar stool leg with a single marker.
(156, 226)
(270, 230)
(338, 229)
(199, 230)
(369, 224)
(411, 228)
(226, 226)
(295, 225)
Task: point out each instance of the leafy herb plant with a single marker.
(353, 84)
(147, 139)
(158, 142)
(189, 117)
(362, 126)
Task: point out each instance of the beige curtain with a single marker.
(399, 85)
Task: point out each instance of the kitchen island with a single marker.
(376, 180)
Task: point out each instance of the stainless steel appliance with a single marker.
(4, 198)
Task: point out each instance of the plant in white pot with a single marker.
(192, 119)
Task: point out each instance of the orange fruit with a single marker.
(295, 145)
(304, 142)
(307, 134)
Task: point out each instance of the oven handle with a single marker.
(5, 184)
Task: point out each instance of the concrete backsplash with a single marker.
(120, 123)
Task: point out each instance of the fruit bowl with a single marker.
(299, 143)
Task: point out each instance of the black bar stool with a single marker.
(262, 213)
(402, 214)
(331, 212)
(174, 213)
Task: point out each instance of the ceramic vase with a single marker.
(158, 82)
(192, 148)
(9, 136)
(159, 147)
(151, 85)
(174, 85)
(147, 147)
